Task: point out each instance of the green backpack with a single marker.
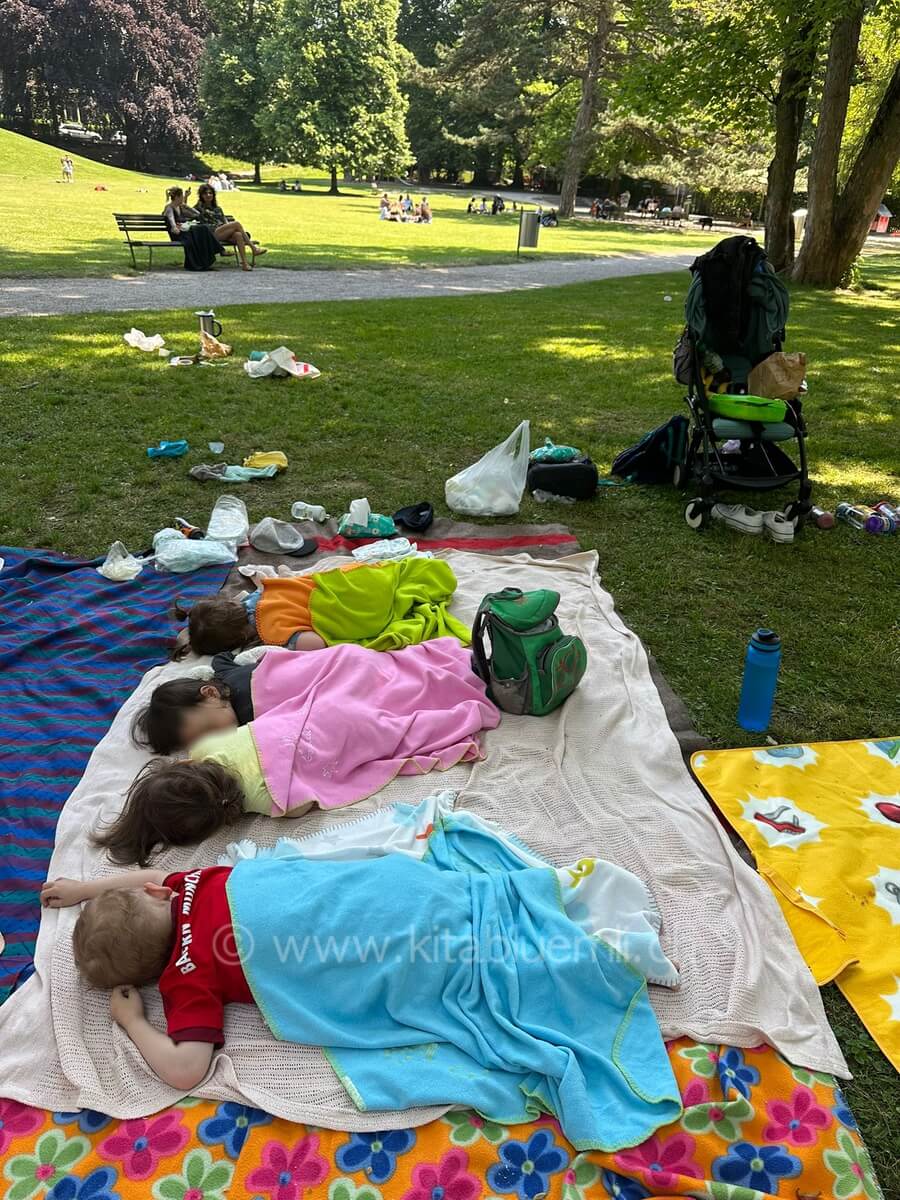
(533, 666)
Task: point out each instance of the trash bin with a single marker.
(529, 228)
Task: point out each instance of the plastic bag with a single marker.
(279, 363)
(493, 486)
(176, 553)
(119, 565)
(228, 522)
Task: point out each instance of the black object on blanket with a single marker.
(416, 517)
(577, 478)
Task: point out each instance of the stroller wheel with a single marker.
(696, 513)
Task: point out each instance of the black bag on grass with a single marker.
(577, 478)
(654, 457)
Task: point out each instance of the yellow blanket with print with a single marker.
(823, 821)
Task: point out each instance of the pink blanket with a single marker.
(334, 726)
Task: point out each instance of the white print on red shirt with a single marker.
(184, 962)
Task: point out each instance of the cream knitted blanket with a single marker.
(603, 776)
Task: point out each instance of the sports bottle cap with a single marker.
(767, 639)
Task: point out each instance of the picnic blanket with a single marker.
(72, 646)
(601, 777)
(753, 1127)
(823, 821)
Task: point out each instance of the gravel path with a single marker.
(269, 285)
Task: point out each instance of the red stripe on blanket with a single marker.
(517, 541)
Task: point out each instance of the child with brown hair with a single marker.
(379, 605)
(329, 729)
(464, 957)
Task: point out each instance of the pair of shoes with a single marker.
(739, 517)
(750, 520)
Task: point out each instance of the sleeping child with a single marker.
(467, 959)
(380, 605)
(183, 710)
(327, 729)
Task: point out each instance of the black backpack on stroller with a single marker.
(736, 312)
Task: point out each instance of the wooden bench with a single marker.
(144, 224)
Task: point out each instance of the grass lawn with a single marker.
(68, 230)
(412, 390)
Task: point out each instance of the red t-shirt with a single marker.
(204, 973)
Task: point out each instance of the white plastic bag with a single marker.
(228, 522)
(176, 553)
(119, 565)
(493, 486)
(280, 363)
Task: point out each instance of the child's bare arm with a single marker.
(61, 893)
(179, 1064)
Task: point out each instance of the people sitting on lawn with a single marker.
(384, 207)
(470, 207)
(425, 211)
(229, 233)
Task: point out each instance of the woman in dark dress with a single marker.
(229, 233)
(184, 225)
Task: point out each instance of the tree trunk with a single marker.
(518, 177)
(333, 190)
(821, 253)
(790, 109)
(257, 177)
(830, 248)
(580, 141)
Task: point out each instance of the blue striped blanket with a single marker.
(73, 645)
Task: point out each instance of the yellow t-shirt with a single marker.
(236, 751)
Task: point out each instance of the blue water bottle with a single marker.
(760, 680)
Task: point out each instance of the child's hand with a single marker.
(62, 893)
(126, 1005)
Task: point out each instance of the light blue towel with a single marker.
(454, 980)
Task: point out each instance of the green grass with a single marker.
(413, 390)
(68, 230)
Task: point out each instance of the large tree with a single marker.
(234, 86)
(335, 96)
(841, 210)
(592, 27)
(134, 60)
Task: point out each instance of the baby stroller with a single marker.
(736, 310)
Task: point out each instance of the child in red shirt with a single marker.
(172, 928)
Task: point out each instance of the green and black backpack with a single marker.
(531, 665)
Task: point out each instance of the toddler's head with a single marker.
(216, 623)
(124, 936)
(172, 804)
(180, 712)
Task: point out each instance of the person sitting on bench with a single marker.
(184, 226)
(229, 233)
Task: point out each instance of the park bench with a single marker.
(145, 224)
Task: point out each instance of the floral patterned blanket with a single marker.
(753, 1127)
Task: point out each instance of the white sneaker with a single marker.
(778, 527)
(739, 516)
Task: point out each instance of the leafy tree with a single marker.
(424, 27)
(234, 87)
(335, 98)
(26, 29)
(842, 203)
